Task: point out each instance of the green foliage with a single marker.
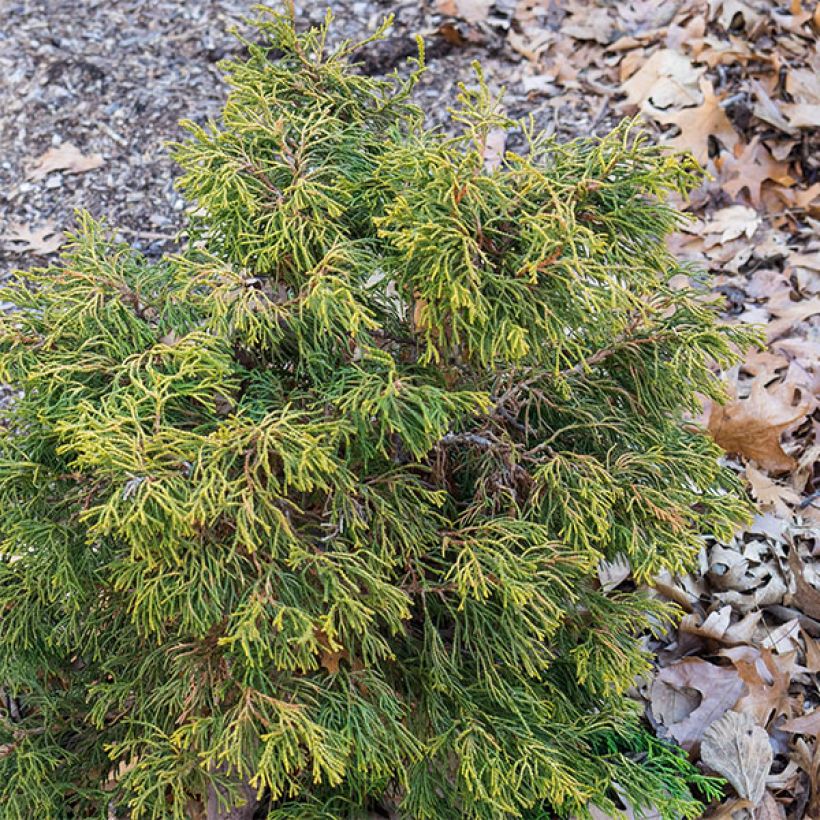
(318, 504)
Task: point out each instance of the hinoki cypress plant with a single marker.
(307, 518)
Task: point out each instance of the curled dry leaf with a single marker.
(689, 695)
(330, 652)
(743, 631)
(587, 22)
(714, 626)
(752, 427)
(65, 157)
(739, 750)
(718, 626)
(729, 569)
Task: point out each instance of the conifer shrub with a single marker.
(307, 518)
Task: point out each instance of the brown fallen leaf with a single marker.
(116, 773)
(628, 813)
(589, 23)
(801, 115)
(770, 495)
(769, 809)
(714, 626)
(786, 779)
(743, 631)
(718, 626)
(731, 223)
(666, 79)
(812, 659)
(736, 12)
(729, 569)
(807, 757)
(750, 167)
(784, 640)
(472, 11)
(806, 598)
(807, 199)
(729, 809)
(803, 86)
(698, 124)
(687, 713)
(752, 427)
(797, 17)
(330, 652)
(767, 678)
(766, 109)
(789, 313)
(42, 240)
(736, 748)
(804, 725)
(65, 157)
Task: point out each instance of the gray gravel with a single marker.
(114, 77)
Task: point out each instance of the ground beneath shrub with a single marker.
(92, 92)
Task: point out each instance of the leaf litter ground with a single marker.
(91, 95)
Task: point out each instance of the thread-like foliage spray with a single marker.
(310, 514)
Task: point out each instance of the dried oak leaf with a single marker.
(698, 124)
(739, 750)
(752, 427)
(43, 240)
(751, 166)
(770, 495)
(330, 652)
(730, 223)
(666, 78)
(65, 157)
(689, 695)
(767, 678)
